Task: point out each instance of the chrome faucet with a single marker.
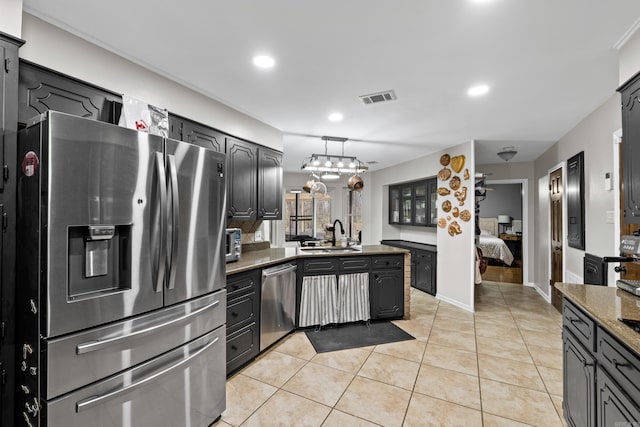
(333, 240)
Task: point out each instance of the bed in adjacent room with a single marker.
(492, 246)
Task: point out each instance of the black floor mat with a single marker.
(353, 335)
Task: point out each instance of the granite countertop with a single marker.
(264, 258)
(604, 304)
(412, 245)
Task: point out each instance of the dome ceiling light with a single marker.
(507, 153)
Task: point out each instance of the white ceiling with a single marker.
(549, 64)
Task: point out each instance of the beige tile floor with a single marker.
(501, 366)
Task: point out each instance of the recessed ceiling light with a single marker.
(478, 90)
(263, 61)
(335, 117)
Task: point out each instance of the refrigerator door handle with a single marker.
(89, 346)
(175, 219)
(93, 401)
(162, 256)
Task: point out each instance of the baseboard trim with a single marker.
(544, 296)
(456, 303)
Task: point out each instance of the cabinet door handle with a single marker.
(585, 363)
(618, 364)
(234, 314)
(234, 348)
(574, 321)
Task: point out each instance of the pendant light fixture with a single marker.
(330, 166)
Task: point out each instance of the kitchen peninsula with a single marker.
(388, 269)
(601, 355)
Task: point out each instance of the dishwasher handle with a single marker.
(281, 269)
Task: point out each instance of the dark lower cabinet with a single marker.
(243, 318)
(386, 293)
(614, 407)
(423, 264)
(600, 374)
(386, 280)
(579, 381)
(423, 270)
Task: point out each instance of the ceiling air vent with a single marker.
(374, 98)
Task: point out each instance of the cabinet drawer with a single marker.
(622, 364)
(242, 283)
(354, 264)
(241, 311)
(242, 347)
(320, 265)
(387, 262)
(579, 324)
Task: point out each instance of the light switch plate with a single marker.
(257, 236)
(610, 217)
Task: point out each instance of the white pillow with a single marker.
(485, 233)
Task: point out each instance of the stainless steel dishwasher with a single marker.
(277, 304)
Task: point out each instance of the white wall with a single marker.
(11, 17)
(593, 136)
(455, 254)
(64, 52)
(630, 58)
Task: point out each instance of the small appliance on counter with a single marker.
(630, 252)
(233, 244)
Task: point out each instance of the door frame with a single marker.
(617, 140)
(525, 224)
(562, 166)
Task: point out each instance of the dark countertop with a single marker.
(603, 304)
(259, 259)
(410, 245)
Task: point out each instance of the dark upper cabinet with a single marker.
(196, 133)
(579, 402)
(41, 90)
(269, 184)
(242, 180)
(413, 203)
(575, 201)
(394, 204)
(630, 94)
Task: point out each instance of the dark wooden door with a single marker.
(242, 180)
(555, 190)
(386, 294)
(579, 383)
(269, 184)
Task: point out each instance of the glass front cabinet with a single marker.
(414, 203)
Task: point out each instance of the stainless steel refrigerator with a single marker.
(121, 280)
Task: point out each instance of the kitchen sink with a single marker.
(329, 250)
